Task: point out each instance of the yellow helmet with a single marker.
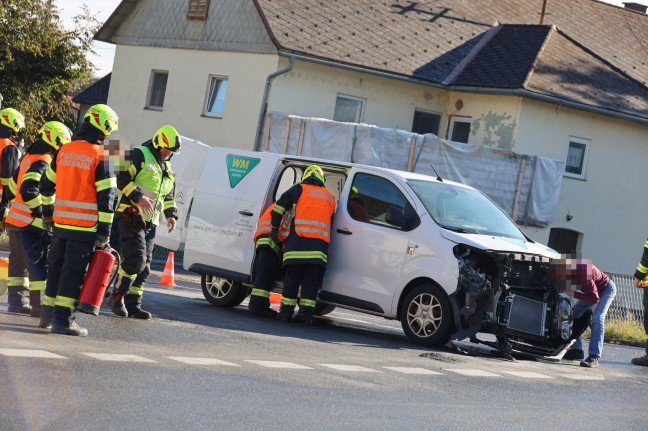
(167, 137)
(13, 119)
(103, 118)
(55, 134)
(313, 170)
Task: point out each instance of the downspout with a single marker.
(264, 101)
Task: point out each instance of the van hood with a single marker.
(500, 244)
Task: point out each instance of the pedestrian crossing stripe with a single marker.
(202, 361)
(113, 357)
(528, 374)
(583, 376)
(25, 353)
(279, 364)
(352, 368)
(472, 373)
(413, 370)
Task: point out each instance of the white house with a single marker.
(485, 72)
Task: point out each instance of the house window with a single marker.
(198, 9)
(459, 129)
(348, 109)
(576, 158)
(426, 122)
(216, 95)
(157, 89)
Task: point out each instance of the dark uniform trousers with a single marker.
(17, 271)
(310, 277)
(68, 262)
(267, 268)
(136, 246)
(645, 304)
(35, 244)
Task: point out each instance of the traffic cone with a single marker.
(275, 299)
(168, 274)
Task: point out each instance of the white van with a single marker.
(439, 256)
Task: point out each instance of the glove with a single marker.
(48, 223)
(101, 242)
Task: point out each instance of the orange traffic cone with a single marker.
(275, 298)
(168, 274)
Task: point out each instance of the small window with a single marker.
(215, 103)
(157, 89)
(426, 122)
(348, 109)
(198, 9)
(374, 200)
(459, 129)
(576, 158)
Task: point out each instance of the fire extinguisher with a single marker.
(98, 279)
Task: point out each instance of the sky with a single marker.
(105, 52)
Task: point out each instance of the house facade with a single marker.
(481, 72)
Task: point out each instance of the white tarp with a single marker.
(526, 187)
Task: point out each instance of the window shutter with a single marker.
(198, 9)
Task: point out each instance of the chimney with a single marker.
(637, 7)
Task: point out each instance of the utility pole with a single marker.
(542, 14)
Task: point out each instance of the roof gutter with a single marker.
(264, 101)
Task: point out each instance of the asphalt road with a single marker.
(199, 367)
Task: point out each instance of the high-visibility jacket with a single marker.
(8, 180)
(262, 234)
(20, 213)
(642, 269)
(313, 213)
(155, 180)
(75, 207)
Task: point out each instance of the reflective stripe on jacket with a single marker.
(4, 143)
(75, 206)
(314, 210)
(152, 182)
(265, 224)
(20, 214)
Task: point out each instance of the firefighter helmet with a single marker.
(103, 118)
(313, 170)
(167, 137)
(12, 119)
(55, 134)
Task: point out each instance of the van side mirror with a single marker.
(395, 217)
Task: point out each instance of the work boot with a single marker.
(134, 307)
(574, 355)
(116, 304)
(642, 360)
(285, 313)
(592, 361)
(261, 306)
(17, 299)
(46, 317)
(35, 302)
(63, 323)
(304, 315)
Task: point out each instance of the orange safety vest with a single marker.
(20, 214)
(265, 225)
(4, 143)
(75, 206)
(315, 207)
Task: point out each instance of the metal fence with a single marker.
(628, 303)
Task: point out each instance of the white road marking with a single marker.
(279, 364)
(528, 374)
(583, 377)
(354, 368)
(202, 361)
(24, 353)
(472, 373)
(412, 370)
(115, 357)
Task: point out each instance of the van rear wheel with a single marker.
(426, 316)
(223, 292)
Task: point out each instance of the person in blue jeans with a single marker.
(592, 290)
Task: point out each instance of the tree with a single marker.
(42, 62)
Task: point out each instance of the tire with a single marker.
(323, 309)
(426, 316)
(223, 292)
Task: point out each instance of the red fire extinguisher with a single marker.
(98, 279)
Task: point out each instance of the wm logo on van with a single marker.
(238, 167)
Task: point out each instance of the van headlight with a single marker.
(564, 309)
(565, 330)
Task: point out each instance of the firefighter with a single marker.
(28, 238)
(80, 217)
(305, 249)
(640, 280)
(11, 122)
(147, 189)
(267, 261)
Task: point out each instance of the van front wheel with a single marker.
(426, 317)
(223, 292)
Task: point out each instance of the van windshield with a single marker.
(464, 210)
